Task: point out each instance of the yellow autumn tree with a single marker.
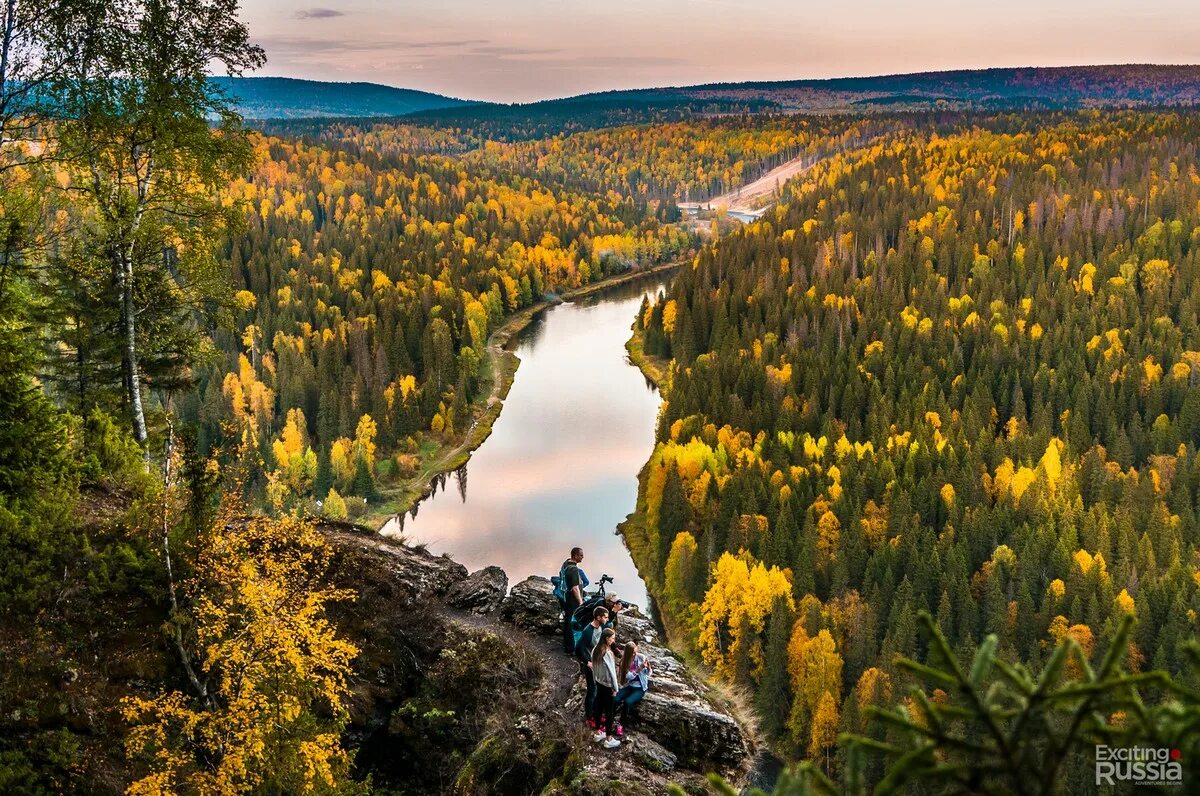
(341, 461)
(295, 460)
(737, 603)
(668, 316)
(824, 730)
(947, 495)
(273, 667)
(364, 442)
(814, 669)
(334, 506)
(1051, 463)
(680, 575)
(874, 688)
(829, 534)
(1124, 603)
(250, 401)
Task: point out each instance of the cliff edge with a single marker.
(462, 687)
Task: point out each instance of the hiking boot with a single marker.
(612, 743)
(598, 736)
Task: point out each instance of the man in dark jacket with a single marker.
(583, 651)
(573, 580)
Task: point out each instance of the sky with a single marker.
(523, 50)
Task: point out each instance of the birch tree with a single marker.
(151, 144)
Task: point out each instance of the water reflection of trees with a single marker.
(460, 476)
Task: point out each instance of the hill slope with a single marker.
(1025, 88)
(289, 98)
(1125, 85)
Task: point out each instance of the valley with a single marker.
(877, 398)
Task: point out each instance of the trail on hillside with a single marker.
(749, 198)
(753, 198)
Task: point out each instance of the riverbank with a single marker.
(634, 530)
(655, 368)
(440, 458)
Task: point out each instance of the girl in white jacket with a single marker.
(604, 670)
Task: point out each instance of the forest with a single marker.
(954, 374)
(366, 284)
(925, 483)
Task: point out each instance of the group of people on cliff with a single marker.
(613, 688)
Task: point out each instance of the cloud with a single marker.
(318, 13)
(306, 45)
(503, 51)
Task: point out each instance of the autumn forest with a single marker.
(923, 500)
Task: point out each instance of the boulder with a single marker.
(635, 627)
(532, 605)
(411, 574)
(480, 592)
(681, 714)
(650, 754)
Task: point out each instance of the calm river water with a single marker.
(560, 467)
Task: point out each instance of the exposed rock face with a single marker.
(678, 711)
(651, 755)
(413, 605)
(633, 626)
(417, 573)
(480, 592)
(531, 604)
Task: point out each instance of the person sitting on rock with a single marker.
(604, 669)
(588, 639)
(636, 671)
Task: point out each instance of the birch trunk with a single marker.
(129, 349)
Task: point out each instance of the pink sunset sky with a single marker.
(521, 50)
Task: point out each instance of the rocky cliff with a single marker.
(463, 688)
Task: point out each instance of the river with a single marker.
(560, 467)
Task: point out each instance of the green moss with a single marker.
(506, 762)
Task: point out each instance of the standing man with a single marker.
(588, 640)
(573, 581)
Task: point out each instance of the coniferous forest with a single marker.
(924, 493)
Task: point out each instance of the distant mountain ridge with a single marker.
(1120, 85)
(1007, 88)
(291, 98)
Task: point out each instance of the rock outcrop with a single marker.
(416, 573)
(531, 604)
(679, 711)
(480, 592)
(414, 607)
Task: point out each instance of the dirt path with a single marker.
(749, 199)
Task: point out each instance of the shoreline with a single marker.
(656, 369)
(401, 497)
(633, 529)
